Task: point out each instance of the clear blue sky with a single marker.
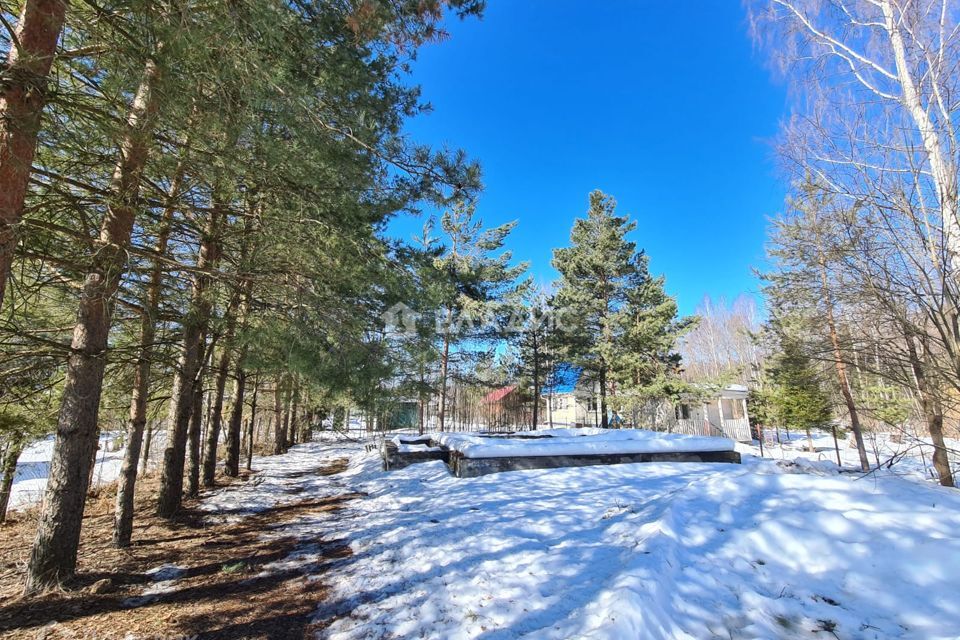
(667, 106)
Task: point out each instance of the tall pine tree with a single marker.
(479, 292)
(798, 398)
(611, 314)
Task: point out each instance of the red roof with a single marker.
(499, 394)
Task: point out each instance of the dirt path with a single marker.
(222, 583)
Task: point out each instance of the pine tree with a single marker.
(302, 104)
(602, 275)
(798, 397)
(808, 248)
(23, 94)
(479, 289)
(647, 366)
(533, 344)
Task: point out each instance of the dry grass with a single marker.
(223, 594)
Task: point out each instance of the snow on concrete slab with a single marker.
(416, 448)
(625, 441)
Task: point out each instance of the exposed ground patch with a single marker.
(220, 586)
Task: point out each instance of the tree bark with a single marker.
(253, 420)
(603, 397)
(277, 418)
(54, 554)
(933, 413)
(23, 95)
(232, 463)
(147, 441)
(8, 469)
(943, 169)
(294, 409)
(444, 363)
(536, 380)
(838, 362)
(194, 429)
(126, 482)
(235, 421)
(181, 400)
(216, 413)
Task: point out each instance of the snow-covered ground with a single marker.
(897, 454)
(33, 468)
(761, 550)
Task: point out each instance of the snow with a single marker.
(402, 438)
(573, 443)
(33, 466)
(902, 454)
(165, 572)
(767, 549)
(416, 448)
(277, 477)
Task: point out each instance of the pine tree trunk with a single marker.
(54, 553)
(603, 397)
(838, 359)
(232, 463)
(23, 94)
(278, 419)
(8, 469)
(420, 414)
(185, 374)
(126, 482)
(536, 382)
(181, 408)
(216, 413)
(241, 296)
(235, 421)
(294, 408)
(194, 429)
(286, 417)
(444, 363)
(147, 441)
(847, 395)
(253, 419)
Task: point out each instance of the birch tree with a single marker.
(876, 63)
(874, 126)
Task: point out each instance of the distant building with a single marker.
(575, 402)
(572, 402)
(716, 412)
(405, 415)
(507, 409)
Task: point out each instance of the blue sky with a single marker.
(667, 106)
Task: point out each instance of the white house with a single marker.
(714, 411)
(573, 406)
(718, 412)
